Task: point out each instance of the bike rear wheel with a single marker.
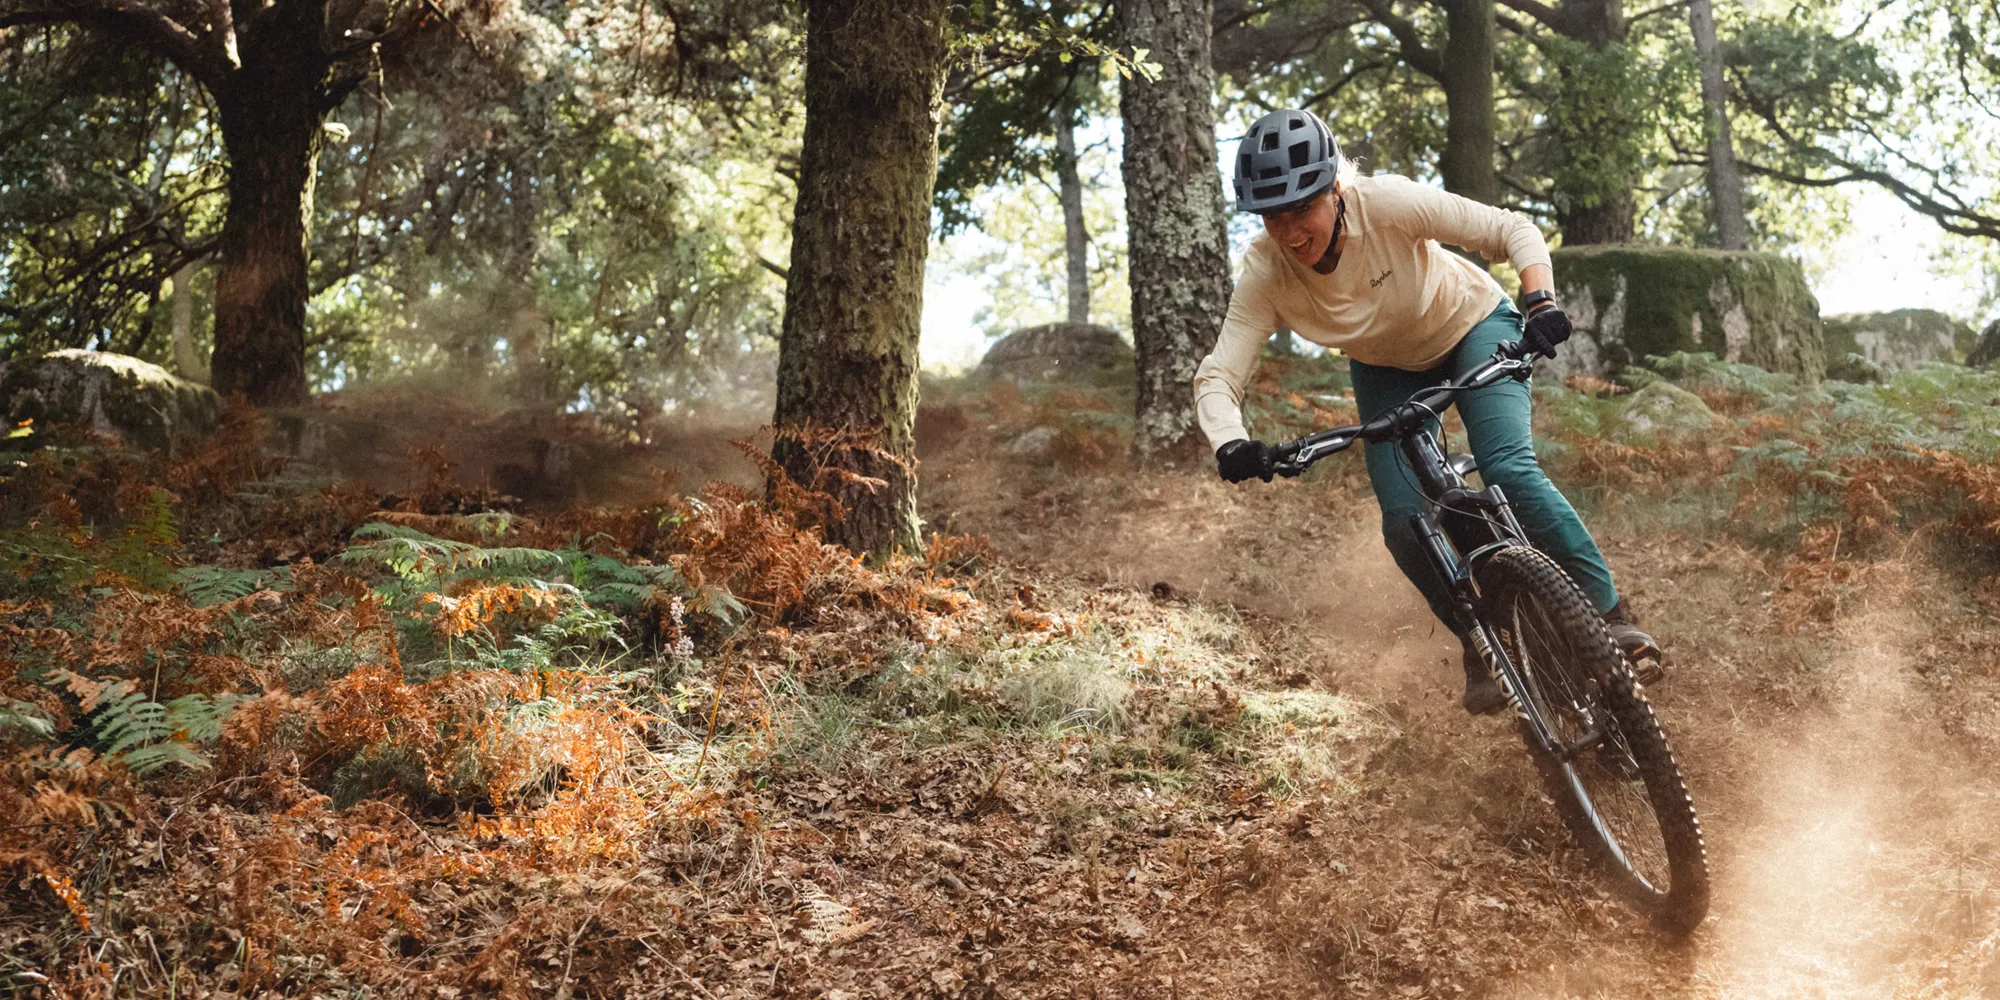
(1613, 777)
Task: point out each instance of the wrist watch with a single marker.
(1536, 298)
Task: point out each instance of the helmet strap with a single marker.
(1333, 245)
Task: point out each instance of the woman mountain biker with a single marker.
(1355, 263)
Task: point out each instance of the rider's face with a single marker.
(1305, 231)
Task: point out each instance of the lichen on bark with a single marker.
(1178, 251)
(847, 362)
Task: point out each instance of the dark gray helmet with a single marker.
(1288, 156)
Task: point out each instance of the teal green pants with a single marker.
(1497, 422)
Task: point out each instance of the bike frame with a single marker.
(1460, 527)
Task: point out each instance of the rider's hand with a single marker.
(1244, 459)
(1546, 329)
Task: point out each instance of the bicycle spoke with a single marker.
(1604, 779)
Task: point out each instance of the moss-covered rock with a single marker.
(1986, 349)
(1899, 339)
(144, 403)
(1076, 352)
(1856, 368)
(1663, 410)
(1631, 301)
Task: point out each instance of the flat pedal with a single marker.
(1648, 670)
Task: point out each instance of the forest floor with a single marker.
(1126, 734)
(1841, 765)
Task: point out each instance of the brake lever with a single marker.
(1284, 462)
(1521, 350)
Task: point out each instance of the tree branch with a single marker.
(1661, 9)
(1419, 56)
(1962, 221)
(28, 18)
(1341, 83)
(133, 21)
(1550, 17)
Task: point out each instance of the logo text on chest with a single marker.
(1376, 282)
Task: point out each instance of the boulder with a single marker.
(1986, 349)
(1069, 352)
(1856, 368)
(143, 403)
(1900, 339)
(1035, 442)
(1631, 301)
(1662, 409)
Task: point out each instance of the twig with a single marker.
(713, 708)
(569, 955)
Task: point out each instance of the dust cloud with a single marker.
(1860, 863)
(1853, 823)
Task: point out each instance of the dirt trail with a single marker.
(1844, 776)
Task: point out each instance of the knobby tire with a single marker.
(1558, 643)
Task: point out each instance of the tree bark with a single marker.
(1076, 235)
(1605, 221)
(1178, 252)
(1592, 121)
(187, 362)
(272, 139)
(1467, 78)
(1725, 182)
(847, 358)
(272, 108)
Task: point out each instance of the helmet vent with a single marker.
(1269, 172)
(1270, 142)
(1268, 190)
(1295, 122)
(1301, 154)
(1308, 179)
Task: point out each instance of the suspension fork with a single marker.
(1456, 572)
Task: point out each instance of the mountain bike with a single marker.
(1599, 748)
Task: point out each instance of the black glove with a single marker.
(1244, 459)
(1546, 329)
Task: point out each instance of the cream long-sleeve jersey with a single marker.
(1398, 298)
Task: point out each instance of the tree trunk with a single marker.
(1725, 183)
(847, 357)
(1076, 236)
(271, 133)
(1606, 221)
(187, 362)
(1596, 126)
(1467, 163)
(1178, 253)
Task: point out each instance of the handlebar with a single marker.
(1514, 359)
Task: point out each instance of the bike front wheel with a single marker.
(1610, 771)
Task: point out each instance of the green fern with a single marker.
(420, 559)
(141, 551)
(413, 556)
(20, 717)
(206, 585)
(146, 735)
